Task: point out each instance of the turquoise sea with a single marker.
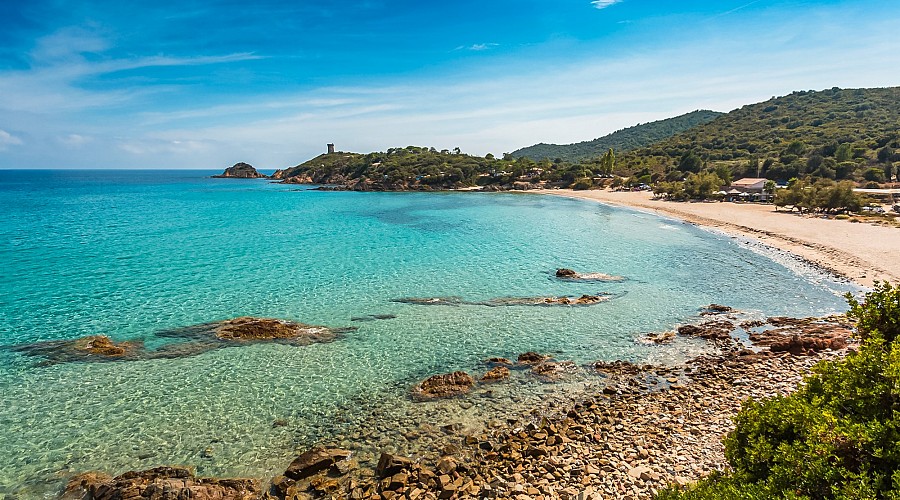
(130, 254)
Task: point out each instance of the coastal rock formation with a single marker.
(431, 301)
(90, 348)
(240, 171)
(247, 328)
(584, 300)
(530, 357)
(553, 370)
(496, 373)
(314, 461)
(160, 483)
(442, 386)
(709, 330)
(804, 335)
(373, 317)
(568, 274)
(190, 341)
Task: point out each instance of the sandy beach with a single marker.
(861, 252)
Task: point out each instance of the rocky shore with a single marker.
(648, 427)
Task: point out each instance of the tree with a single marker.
(608, 162)
(690, 162)
(702, 185)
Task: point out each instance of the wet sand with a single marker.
(861, 252)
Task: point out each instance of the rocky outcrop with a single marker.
(710, 330)
(314, 461)
(800, 336)
(553, 370)
(159, 483)
(530, 357)
(442, 386)
(247, 328)
(570, 275)
(190, 341)
(89, 349)
(584, 300)
(240, 171)
(496, 373)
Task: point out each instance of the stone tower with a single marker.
(331, 149)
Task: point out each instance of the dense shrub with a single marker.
(836, 437)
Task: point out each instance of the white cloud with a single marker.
(7, 140)
(602, 4)
(75, 140)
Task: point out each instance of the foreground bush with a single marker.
(836, 437)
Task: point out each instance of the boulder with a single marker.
(566, 273)
(240, 171)
(314, 461)
(446, 385)
(389, 465)
(496, 373)
(160, 482)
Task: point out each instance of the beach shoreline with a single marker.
(859, 252)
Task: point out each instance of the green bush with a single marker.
(837, 437)
(582, 184)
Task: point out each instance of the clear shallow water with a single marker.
(128, 254)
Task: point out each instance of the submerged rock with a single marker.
(160, 482)
(430, 301)
(584, 300)
(373, 317)
(569, 274)
(193, 340)
(247, 328)
(442, 386)
(553, 370)
(531, 357)
(240, 171)
(90, 348)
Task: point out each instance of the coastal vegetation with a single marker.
(626, 139)
(837, 437)
(830, 140)
(840, 134)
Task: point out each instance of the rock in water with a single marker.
(566, 273)
(90, 348)
(250, 328)
(442, 386)
(240, 171)
(531, 357)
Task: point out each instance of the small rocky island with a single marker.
(240, 170)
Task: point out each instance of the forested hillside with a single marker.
(622, 140)
(835, 134)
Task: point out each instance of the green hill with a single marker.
(835, 133)
(622, 140)
(396, 169)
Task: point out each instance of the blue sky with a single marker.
(190, 84)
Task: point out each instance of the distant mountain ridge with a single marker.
(627, 139)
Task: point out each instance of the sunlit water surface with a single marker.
(128, 254)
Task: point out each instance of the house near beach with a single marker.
(748, 189)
